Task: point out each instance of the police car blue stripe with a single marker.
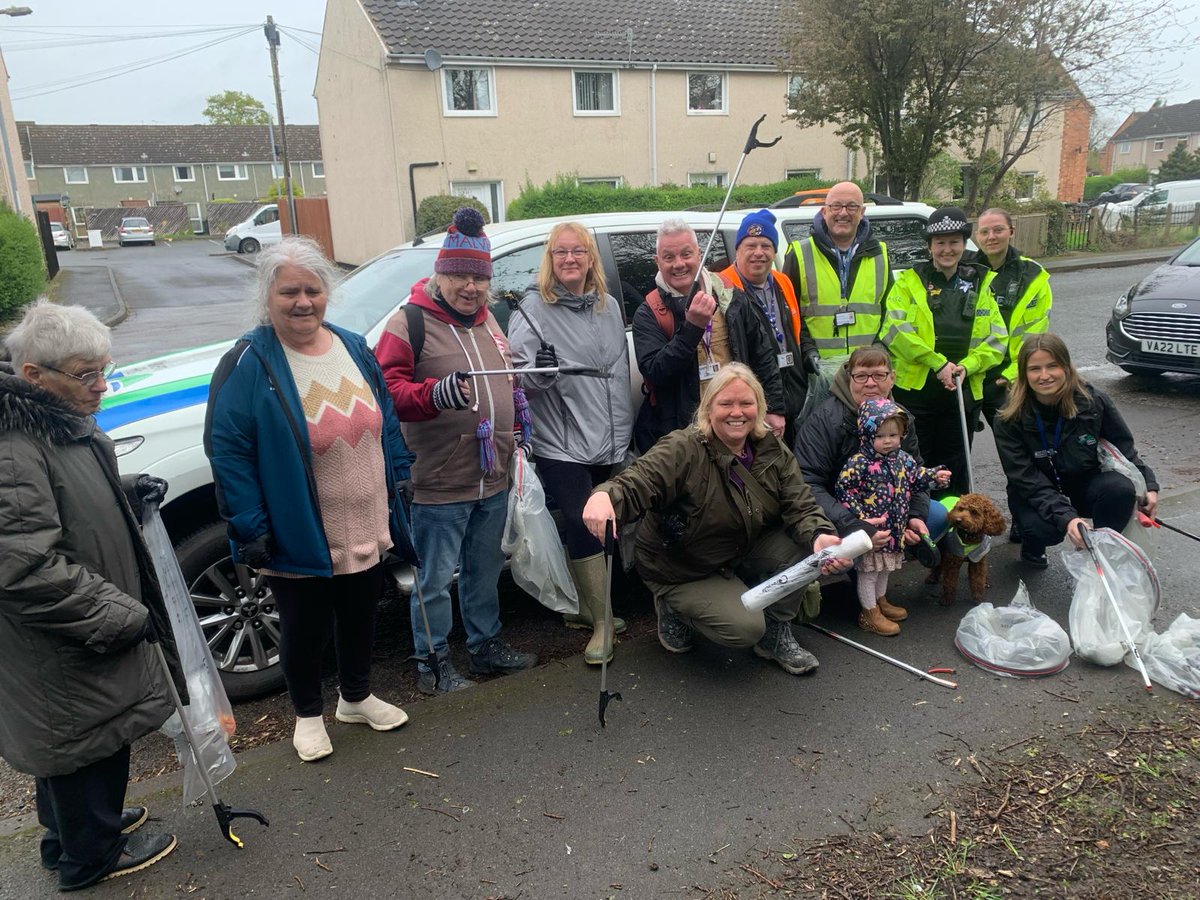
(123, 414)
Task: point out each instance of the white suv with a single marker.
(155, 409)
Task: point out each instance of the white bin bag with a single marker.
(1013, 640)
(1172, 658)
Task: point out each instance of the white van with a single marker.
(1180, 198)
(260, 229)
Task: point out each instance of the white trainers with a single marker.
(372, 711)
(310, 739)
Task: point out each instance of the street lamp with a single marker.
(16, 11)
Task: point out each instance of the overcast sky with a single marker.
(57, 57)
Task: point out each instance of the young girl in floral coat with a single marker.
(877, 484)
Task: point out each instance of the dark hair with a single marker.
(901, 420)
(868, 356)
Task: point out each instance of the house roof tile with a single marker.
(698, 32)
(1179, 118)
(80, 145)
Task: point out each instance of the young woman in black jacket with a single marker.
(1048, 434)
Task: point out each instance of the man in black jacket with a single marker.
(681, 345)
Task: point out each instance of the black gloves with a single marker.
(448, 394)
(257, 553)
(545, 358)
(150, 489)
(812, 363)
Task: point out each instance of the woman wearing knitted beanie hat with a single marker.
(461, 430)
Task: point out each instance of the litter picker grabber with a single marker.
(543, 370)
(431, 657)
(1148, 522)
(225, 814)
(959, 381)
(752, 143)
(606, 695)
(944, 682)
(1112, 599)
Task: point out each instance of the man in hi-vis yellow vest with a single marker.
(841, 275)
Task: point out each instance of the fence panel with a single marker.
(312, 219)
(1030, 234)
(166, 219)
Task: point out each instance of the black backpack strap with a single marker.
(416, 331)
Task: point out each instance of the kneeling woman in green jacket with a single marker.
(942, 327)
(725, 507)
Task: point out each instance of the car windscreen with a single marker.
(371, 292)
(1190, 255)
(134, 223)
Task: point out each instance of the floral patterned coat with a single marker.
(871, 484)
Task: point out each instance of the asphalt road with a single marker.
(713, 760)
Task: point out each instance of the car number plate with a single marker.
(1174, 348)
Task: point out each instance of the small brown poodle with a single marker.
(973, 521)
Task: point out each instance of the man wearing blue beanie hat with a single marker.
(754, 273)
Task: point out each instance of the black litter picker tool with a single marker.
(225, 814)
(605, 694)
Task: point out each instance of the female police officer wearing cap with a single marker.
(941, 326)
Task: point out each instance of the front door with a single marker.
(489, 193)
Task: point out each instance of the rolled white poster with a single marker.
(804, 572)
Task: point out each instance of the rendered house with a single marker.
(1147, 138)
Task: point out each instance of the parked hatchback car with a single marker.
(1119, 193)
(1155, 325)
(63, 239)
(155, 409)
(135, 230)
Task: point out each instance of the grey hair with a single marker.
(293, 250)
(433, 290)
(674, 225)
(49, 335)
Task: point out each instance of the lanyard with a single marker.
(1048, 452)
(708, 340)
(770, 306)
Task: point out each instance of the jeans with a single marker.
(937, 521)
(468, 535)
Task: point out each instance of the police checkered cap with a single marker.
(948, 220)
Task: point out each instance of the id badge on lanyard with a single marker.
(709, 369)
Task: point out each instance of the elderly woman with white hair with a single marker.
(78, 596)
(308, 458)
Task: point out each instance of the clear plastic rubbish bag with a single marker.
(1173, 658)
(209, 711)
(820, 385)
(537, 562)
(1013, 640)
(1113, 460)
(1095, 627)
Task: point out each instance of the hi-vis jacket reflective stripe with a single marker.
(819, 293)
(909, 337)
(1031, 315)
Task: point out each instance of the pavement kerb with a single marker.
(1100, 261)
(122, 308)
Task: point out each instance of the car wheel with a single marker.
(237, 613)
(1141, 370)
(248, 245)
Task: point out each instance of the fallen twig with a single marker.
(299, 882)
(1003, 803)
(442, 811)
(1023, 740)
(321, 865)
(421, 772)
(319, 852)
(553, 816)
(757, 874)
(953, 828)
(1061, 696)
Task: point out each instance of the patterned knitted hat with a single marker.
(758, 224)
(947, 220)
(466, 249)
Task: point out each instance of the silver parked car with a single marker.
(63, 239)
(135, 230)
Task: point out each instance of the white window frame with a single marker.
(1033, 184)
(29, 173)
(706, 179)
(191, 170)
(1125, 147)
(135, 171)
(1160, 144)
(240, 172)
(67, 179)
(789, 93)
(613, 181)
(448, 107)
(276, 171)
(789, 174)
(315, 173)
(616, 92)
(687, 95)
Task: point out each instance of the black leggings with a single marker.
(570, 484)
(1106, 497)
(309, 610)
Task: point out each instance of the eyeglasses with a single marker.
(864, 377)
(844, 207)
(576, 252)
(462, 280)
(999, 231)
(87, 379)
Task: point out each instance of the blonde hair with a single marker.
(1020, 396)
(594, 282)
(728, 374)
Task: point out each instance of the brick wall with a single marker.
(1072, 166)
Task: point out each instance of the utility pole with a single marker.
(272, 34)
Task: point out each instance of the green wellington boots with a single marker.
(591, 581)
(583, 619)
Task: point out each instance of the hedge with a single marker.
(564, 197)
(437, 212)
(1095, 185)
(20, 261)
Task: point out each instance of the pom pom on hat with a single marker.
(758, 224)
(466, 249)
